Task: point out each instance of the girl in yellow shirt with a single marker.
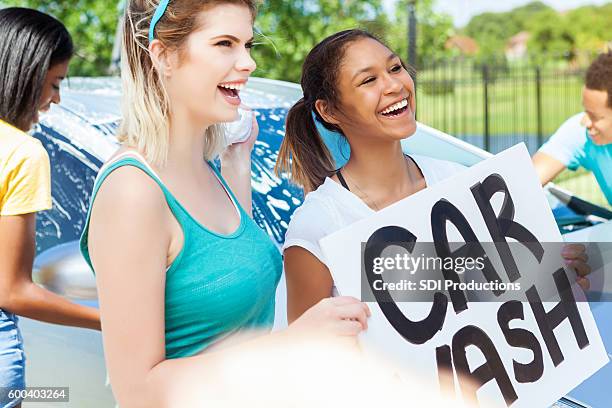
(35, 50)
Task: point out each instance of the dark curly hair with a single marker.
(599, 75)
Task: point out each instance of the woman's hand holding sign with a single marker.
(336, 316)
(576, 258)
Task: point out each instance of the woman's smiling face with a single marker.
(215, 64)
(376, 93)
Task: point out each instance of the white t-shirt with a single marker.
(332, 207)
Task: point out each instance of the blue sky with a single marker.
(463, 10)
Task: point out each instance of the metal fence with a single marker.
(496, 104)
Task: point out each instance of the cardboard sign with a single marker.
(512, 353)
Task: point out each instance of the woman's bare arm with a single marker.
(308, 281)
(128, 239)
(18, 293)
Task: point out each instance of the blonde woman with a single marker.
(180, 265)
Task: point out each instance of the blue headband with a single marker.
(159, 13)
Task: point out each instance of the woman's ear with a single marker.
(326, 112)
(161, 58)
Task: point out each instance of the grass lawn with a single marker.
(512, 109)
(512, 102)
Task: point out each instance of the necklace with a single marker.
(374, 205)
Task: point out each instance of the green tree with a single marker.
(290, 29)
(92, 24)
(551, 36)
(591, 27)
(493, 30)
(433, 30)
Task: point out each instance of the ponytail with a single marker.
(303, 153)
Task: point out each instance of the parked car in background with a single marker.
(79, 135)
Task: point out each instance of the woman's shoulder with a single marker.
(126, 171)
(127, 208)
(317, 206)
(313, 219)
(436, 170)
(17, 145)
(127, 187)
(432, 162)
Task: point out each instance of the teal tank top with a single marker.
(218, 284)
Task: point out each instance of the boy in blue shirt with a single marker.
(584, 139)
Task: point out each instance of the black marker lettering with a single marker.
(565, 309)
(492, 369)
(442, 212)
(415, 332)
(524, 373)
(503, 226)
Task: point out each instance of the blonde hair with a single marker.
(145, 103)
